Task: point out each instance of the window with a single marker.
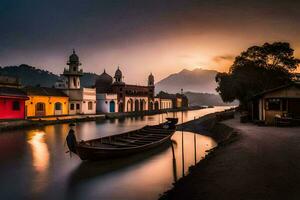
(90, 105)
(74, 82)
(72, 106)
(284, 104)
(74, 68)
(273, 104)
(77, 106)
(40, 106)
(16, 105)
(57, 106)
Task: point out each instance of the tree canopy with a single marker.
(257, 69)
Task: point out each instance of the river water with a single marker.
(34, 165)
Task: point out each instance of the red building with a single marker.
(12, 102)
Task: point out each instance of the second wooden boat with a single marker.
(124, 144)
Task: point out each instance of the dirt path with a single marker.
(263, 164)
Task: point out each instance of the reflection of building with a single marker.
(40, 152)
(12, 99)
(46, 102)
(284, 100)
(130, 98)
(82, 100)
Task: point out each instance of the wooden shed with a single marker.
(278, 102)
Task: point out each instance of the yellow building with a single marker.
(46, 102)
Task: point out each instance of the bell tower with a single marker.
(151, 80)
(118, 76)
(73, 73)
(151, 85)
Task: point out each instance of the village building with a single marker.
(154, 104)
(281, 102)
(178, 100)
(127, 98)
(12, 99)
(9, 81)
(82, 100)
(44, 102)
(107, 103)
(166, 103)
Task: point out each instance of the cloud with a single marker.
(223, 58)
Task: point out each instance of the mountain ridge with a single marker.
(33, 76)
(196, 80)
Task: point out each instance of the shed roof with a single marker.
(9, 80)
(296, 84)
(12, 92)
(44, 91)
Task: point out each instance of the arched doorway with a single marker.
(151, 105)
(112, 106)
(136, 105)
(58, 108)
(142, 105)
(130, 105)
(156, 105)
(120, 107)
(40, 109)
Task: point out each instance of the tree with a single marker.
(258, 69)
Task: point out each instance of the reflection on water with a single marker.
(139, 177)
(41, 169)
(39, 149)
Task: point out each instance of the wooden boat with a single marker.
(124, 144)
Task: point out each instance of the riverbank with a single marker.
(37, 122)
(146, 113)
(210, 125)
(262, 163)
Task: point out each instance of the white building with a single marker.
(166, 104)
(81, 100)
(107, 103)
(61, 83)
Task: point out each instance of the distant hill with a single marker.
(32, 76)
(200, 99)
(197, 80)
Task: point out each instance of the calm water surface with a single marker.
(34, 165)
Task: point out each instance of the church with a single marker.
(114, 95)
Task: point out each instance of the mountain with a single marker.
(32, 76)
(197, 80)
(200, 99)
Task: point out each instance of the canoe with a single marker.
(124, 144)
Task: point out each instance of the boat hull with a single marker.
(86, 153)
(125, 144)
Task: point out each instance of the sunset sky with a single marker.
(158, 36)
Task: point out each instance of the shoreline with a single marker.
(209, 125)
(251, 162)
(52, 120)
